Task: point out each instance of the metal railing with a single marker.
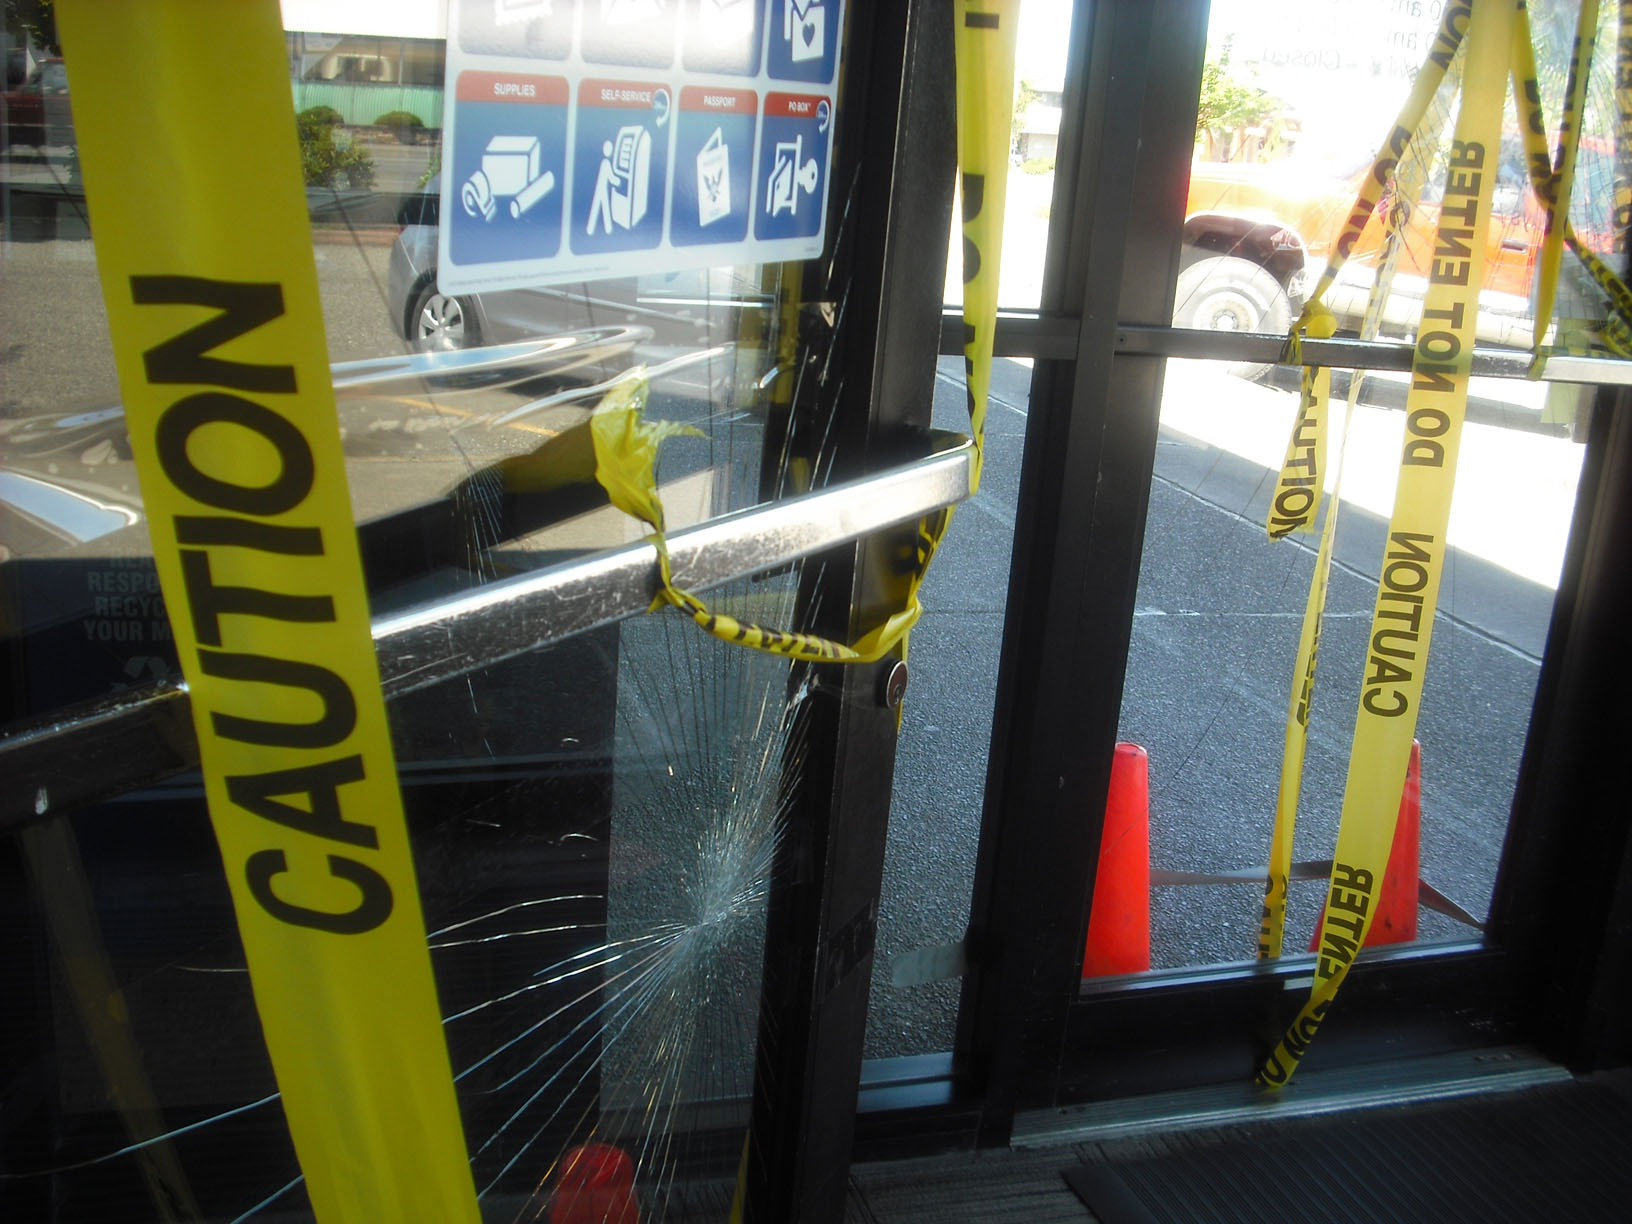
(95, 751)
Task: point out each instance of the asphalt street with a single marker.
(1215, 633)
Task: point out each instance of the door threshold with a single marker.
(1441, 1076)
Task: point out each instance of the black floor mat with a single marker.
(1556, 1154)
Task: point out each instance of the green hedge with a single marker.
(327, 154)
(404, 124)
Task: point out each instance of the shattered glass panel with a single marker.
(595, 824)
(595, 827)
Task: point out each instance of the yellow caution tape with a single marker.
(1441, 50)
(626, 444)
(984, 38)
(1272, 920)
(1551, 188)
(1402, 620)
(204, 250)
(1309, 437)
(1303, 471)
(1562, 175)
(1407, 179)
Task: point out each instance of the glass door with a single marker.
(1149, 605)
(648, 857)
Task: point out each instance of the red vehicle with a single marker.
(37, 113)
(1257, 236)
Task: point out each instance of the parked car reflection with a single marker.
(698, 306)
(37, 112)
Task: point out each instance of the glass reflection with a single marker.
(1294, 103)
(595, 826)
(1284, 143)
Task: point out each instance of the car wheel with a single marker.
(1226, 293)
(440, 323)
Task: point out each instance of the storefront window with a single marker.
(596, 822)
(1283, 142)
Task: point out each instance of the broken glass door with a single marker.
(598, 795)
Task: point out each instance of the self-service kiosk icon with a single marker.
(622, 184)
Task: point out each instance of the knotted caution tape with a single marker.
(1407, 178)
(626, 444)
(1402, 620)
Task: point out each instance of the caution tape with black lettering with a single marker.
(1551, 180)
(1403, 616)
(1407, 179)
(203, 247)
(626, 444)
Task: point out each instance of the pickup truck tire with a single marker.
(1226, 293)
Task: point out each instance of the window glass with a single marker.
(1282, 148)
(1215, 639)
(946, 729)
(1039, 90)
(940, 777)
(1295, 101)
(595, 823)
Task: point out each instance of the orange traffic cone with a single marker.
(1119, 923)
(1396, 918)
(597, 1186)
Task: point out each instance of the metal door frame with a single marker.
(874, 315)
(1552, 972)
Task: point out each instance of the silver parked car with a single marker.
(684, 309)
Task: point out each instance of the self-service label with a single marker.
(620, 160)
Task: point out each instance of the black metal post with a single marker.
(1126, 139)
(883, 291)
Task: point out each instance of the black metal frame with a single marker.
(1555, 970)
(1085, 480)
(1563, 904)
(1556, 967)
(898, 149)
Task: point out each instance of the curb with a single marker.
(353, 235)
